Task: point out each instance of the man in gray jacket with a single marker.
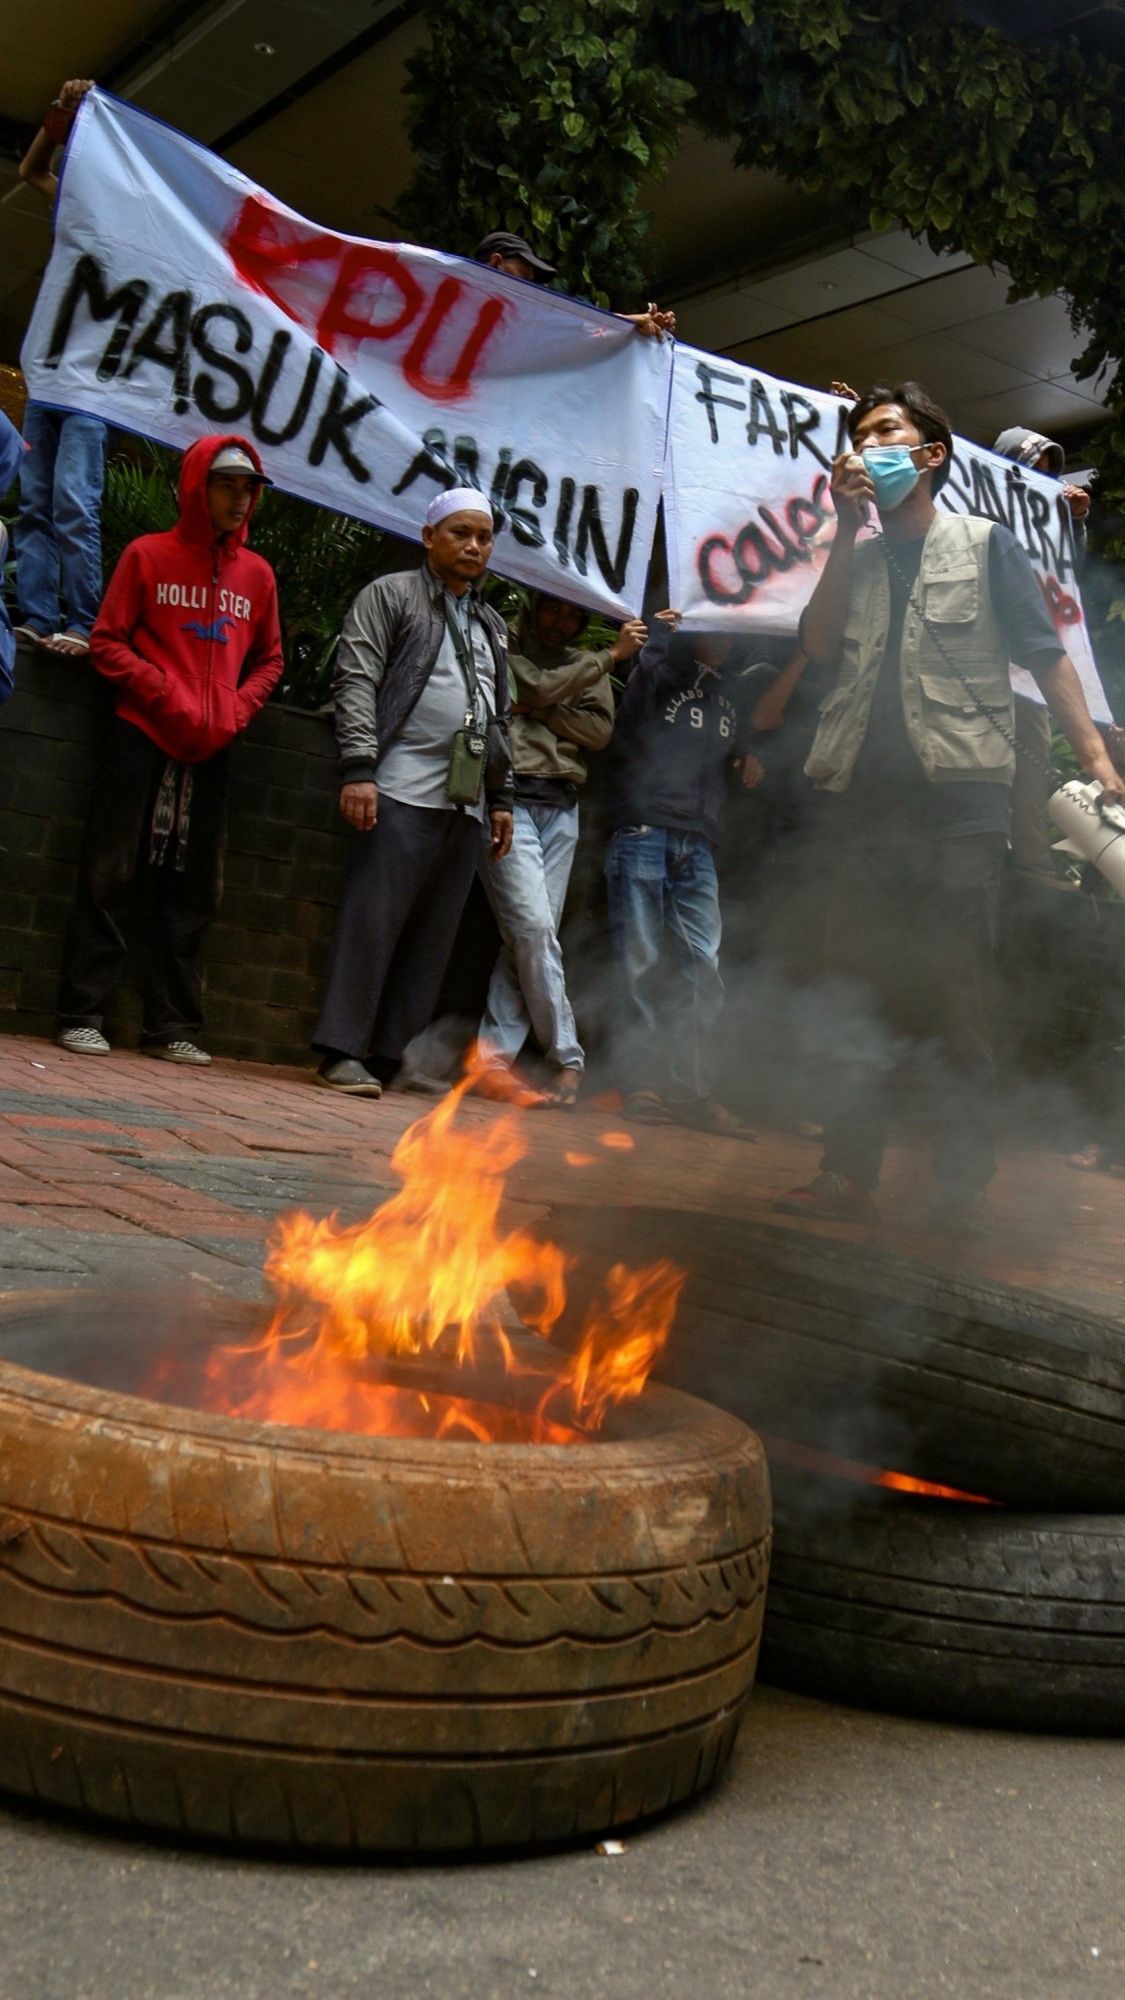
(916, 747)
(421, 693)
(563, 708)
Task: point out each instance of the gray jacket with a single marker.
(390, 639)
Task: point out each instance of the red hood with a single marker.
(195, 516)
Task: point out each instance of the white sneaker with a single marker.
(178, 1052)
(83, 1041)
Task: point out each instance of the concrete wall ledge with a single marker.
(285, 856)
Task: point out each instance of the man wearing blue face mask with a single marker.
(916, 745)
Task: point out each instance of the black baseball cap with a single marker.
(508, 245)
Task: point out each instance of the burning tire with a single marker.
(968, 1613)
(987, 1388)
(253, 1633)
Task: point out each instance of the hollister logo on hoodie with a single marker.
(191, 683)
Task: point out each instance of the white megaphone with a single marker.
(1095, 832)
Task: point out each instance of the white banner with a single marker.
(181, 299)
(749, 520)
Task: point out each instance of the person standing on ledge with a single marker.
(421, 691)
(189, 641)
(58, 534)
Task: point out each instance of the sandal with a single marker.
(499, 1083)
(646, 1107)
(68, 645)
(564, 1094)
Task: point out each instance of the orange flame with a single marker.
(390, 1326)
(805, 1458)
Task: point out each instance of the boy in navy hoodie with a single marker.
(678, 732)
(189, 641)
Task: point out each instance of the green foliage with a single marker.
(321, 559)
(138, 498)
(542, 117)
(1009, 152)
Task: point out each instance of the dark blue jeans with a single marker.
(663, 891)
(58, 534)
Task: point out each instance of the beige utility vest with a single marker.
(953, 740)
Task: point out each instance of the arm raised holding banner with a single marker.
(36, 168)
(502, 251)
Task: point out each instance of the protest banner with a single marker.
(180, 298)
(749, 519)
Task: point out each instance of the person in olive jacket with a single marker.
(563, 707)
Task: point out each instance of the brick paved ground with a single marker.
(846, 1857)
(123, 1170)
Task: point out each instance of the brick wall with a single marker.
(266, 952)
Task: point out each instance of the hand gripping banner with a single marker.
(180, 299)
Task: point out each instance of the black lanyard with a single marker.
(463, 647)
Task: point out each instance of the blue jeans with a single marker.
(662, 883)
(58, 534)
(527, 891)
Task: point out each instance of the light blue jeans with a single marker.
(527, 891)
(58, 534)
(663, 888)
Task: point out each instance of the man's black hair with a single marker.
(928, 418)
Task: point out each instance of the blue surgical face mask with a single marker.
(893, 473)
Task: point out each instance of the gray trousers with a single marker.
(406, 885)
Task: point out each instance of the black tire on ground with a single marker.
(984, 1387)
(250, 1633)
(947, 1610)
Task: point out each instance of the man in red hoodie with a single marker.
(188, 639)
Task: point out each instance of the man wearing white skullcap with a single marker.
(421, 692)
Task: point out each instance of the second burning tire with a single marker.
(985, 1387)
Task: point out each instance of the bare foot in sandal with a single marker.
(68, 645)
